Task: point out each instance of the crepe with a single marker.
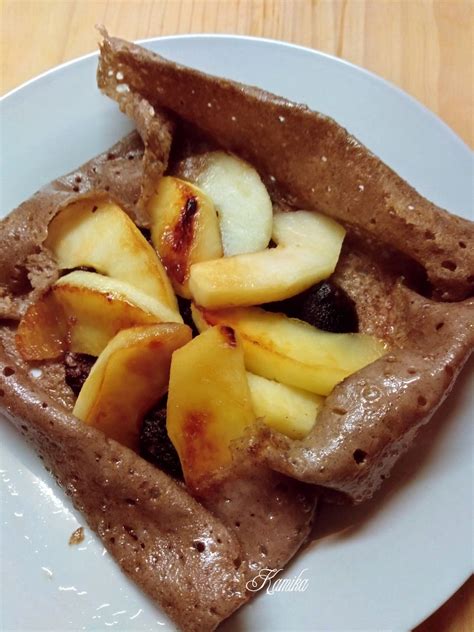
(309, 161)
(195, 556)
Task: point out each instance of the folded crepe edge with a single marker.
(307, 158)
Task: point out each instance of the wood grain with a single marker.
(423, 46)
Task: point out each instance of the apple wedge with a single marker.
(81, 312)
(208, 403)
(287, 409)
(130, 376)
(98, 234)
(308, 248)
(184, 229)
(241, 199)
(292, 352)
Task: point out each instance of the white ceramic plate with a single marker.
(384, 565)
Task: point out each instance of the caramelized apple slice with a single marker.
(241, 199)
(308, 249)
(208, 403)
(81, 312)
(185, 229)
(287, 409)
(291, 351)
(130, 376)
(98, 234)
(42, 333)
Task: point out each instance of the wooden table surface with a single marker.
(423, 46)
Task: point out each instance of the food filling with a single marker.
(226, 317)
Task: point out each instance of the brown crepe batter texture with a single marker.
(194, 558)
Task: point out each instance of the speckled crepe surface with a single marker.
(168, 542)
